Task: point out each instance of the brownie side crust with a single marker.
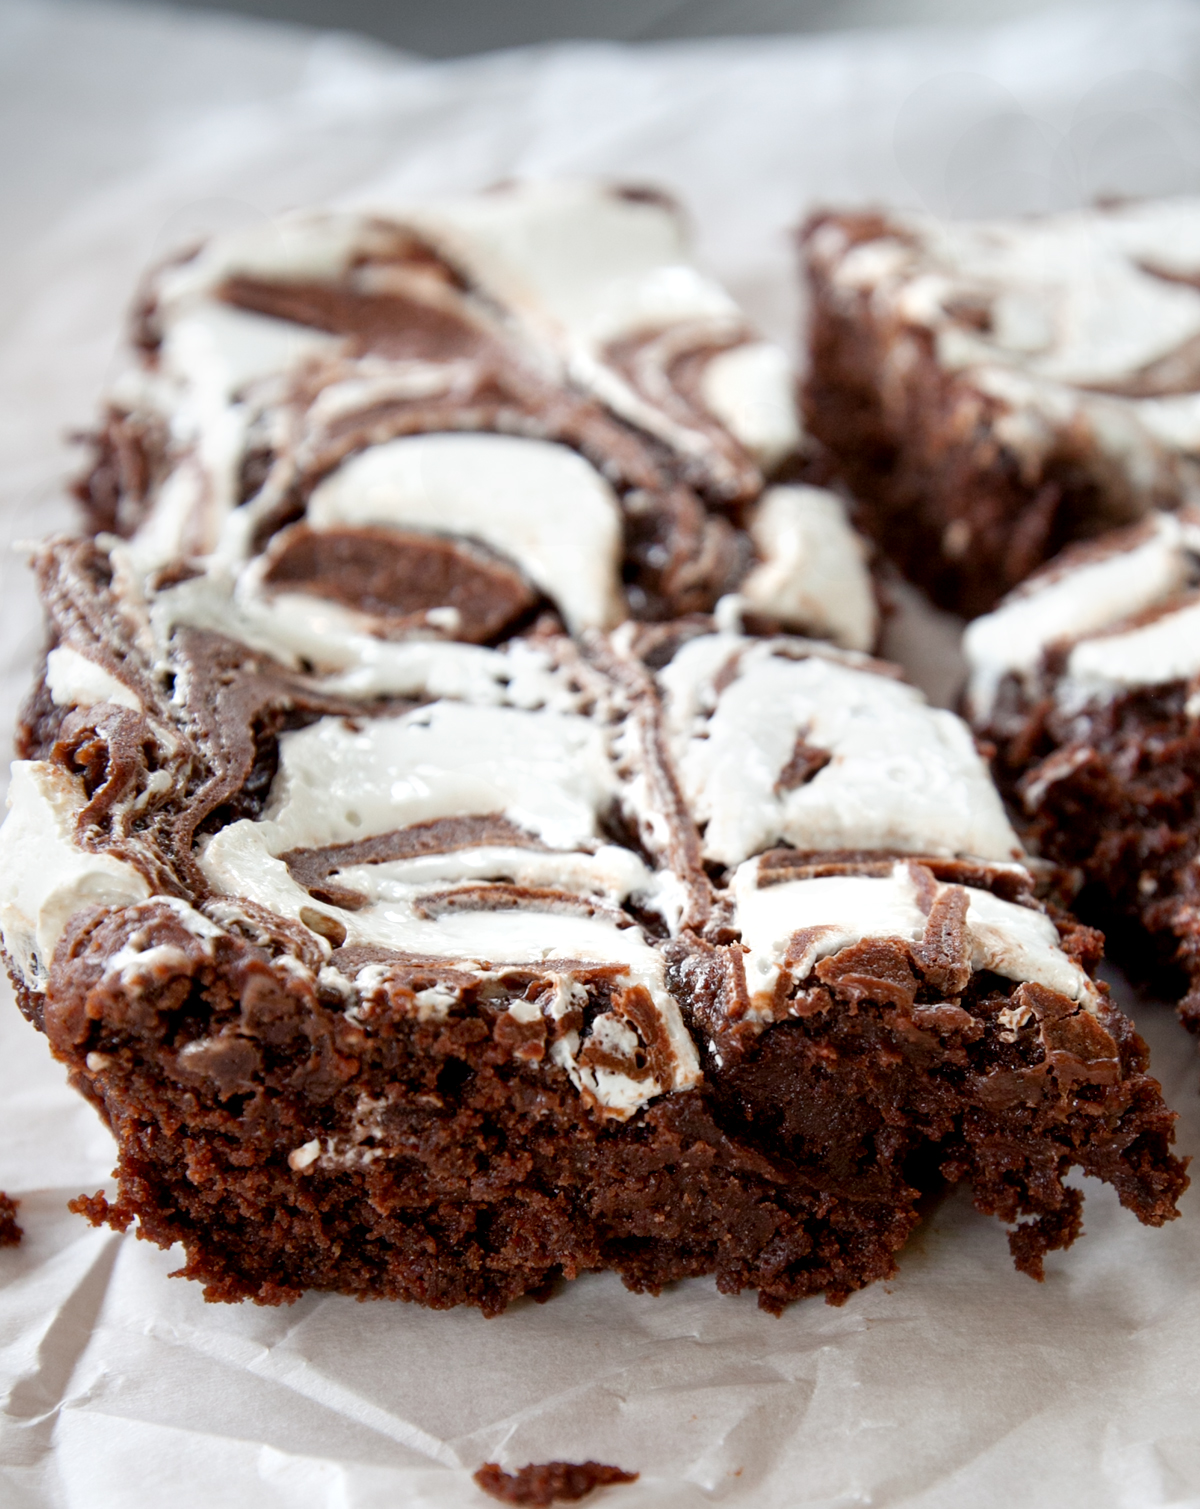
(446, 1161)
(288, 1146)
(1110, 794)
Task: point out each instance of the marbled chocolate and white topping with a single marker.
(491, 819)
(1080, 603)
(577, 259)
(541, 505)
(1167, 649)
(789, 926)
(778, 742)
(810, 574)
(75, 681)
(547, 772)
(585, 266)
(541, 370)
(46, 875)
(1084, 326)
(751, 390)
(299, 629)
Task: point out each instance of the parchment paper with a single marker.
(962, 1384)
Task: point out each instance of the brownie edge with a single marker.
(288, 1143)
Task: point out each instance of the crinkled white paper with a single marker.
(961, 1385)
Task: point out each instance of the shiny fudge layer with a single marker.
(443, 421)
(992, 391)
(1087, 680)
(665, 950)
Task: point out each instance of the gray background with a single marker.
(450, 28)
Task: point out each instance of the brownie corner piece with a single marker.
(963, 384)
(899, 987)
(899, 1053)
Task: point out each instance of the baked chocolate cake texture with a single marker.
(992, 391)
(432, 859)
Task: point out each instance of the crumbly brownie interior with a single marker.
(961, 1090)
(1111, 796)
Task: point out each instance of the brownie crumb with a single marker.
(549, 1482)
(10, 1232)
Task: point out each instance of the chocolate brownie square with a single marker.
(991, 391)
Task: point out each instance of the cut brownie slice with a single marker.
(667, 951)
(897, 1002)
(441, 421)
(1086, 680)
(992, 391)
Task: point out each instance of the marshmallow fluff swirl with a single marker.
(435, 419)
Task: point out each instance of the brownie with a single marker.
(415, 947)
(10, 1231)
(1085, 680)
(542, 1483)
(992, 391)
(668, 951)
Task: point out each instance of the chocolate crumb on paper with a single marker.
(10, 1232)
(543, 1483)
